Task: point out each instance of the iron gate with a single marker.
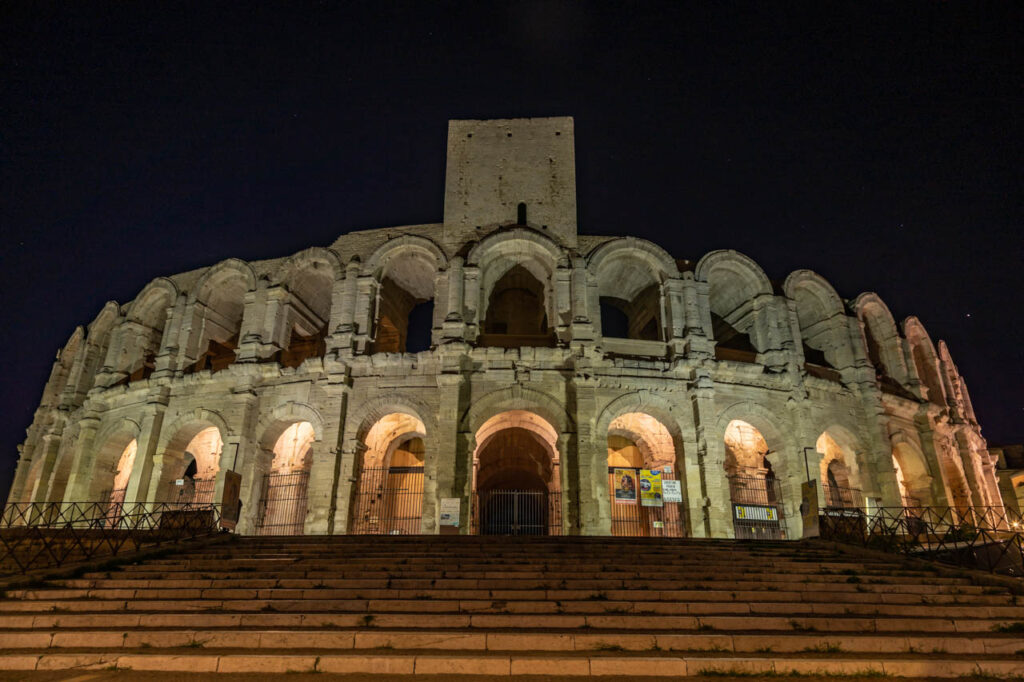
(517, 512)
(631, 519)
(388, 501)
(283, 505)
(756, 508)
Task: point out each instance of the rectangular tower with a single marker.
(497, 165)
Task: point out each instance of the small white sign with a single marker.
(671, 491)
(667, 468)
(180, 481)
(450, 511)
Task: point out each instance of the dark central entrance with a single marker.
(515, 495)
(513, 512)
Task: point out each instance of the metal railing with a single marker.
(517, 512)
(388, 501)
(37, 535)
(757, 510)
(985, 538)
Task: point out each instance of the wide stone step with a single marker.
(283, 600)
(593, 664)
(297, 617)
(504, 641)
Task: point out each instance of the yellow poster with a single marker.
(650, 488)
(625, 486)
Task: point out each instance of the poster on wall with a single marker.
(450, 511)
(672, 490)
(650, 488)
(625, 486)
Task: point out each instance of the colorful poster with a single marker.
(650, 488)
(625, 486)
(672, 490)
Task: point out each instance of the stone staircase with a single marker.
(516, 606)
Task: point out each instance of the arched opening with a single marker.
(221, 302)
(958, 490)
(283, 494)
(839, 480)
(630, 300)
(388, 495)
(122, 473)
(753, 489)
(641, 459)
(823, 326)
(145, 329)
(911, 475)
(732, 289)
(927, 365)
(405, 311)
(516, 480)
(517, 311)
(307, 313)
(190, 473)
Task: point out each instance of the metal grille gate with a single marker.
(517, 512)
(283, 504)
(756, 508)
(631, 519)
(388, 501)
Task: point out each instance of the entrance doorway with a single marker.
(517, 489)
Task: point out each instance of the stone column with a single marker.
(324, 472)
(675, 311)
(707, 487)
(82, 460)
(49, 451)
(562, 282)
(252, 345)
(582, 315)
(141, 478)
(592, 460)
(453, 327)
(343, 310)
(451, 467)
(167, 358)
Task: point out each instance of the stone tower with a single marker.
(498, 167)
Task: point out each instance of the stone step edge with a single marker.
(561, 641)
(399, 663)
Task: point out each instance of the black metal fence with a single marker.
(630, 518)
(757, 511)
(986, 538)
(388, 501)
(37, 535)
(283, 504)
(517, 512)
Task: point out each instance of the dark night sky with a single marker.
(879, 145)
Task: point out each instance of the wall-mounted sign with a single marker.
(809, 509)
(672, 490)
(748, 512)
(625, 486)
(650, 488)
(180, 481)
(231, 504)
(450, 511)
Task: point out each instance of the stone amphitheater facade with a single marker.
(306, 364)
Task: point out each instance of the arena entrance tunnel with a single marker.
(516, 489)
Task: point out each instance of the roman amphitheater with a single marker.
(517, 375)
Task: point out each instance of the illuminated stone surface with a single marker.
(301, 364)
